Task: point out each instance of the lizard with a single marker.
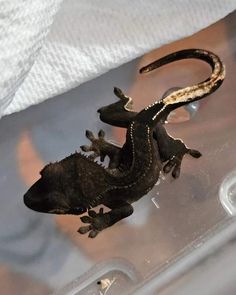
(78, 183)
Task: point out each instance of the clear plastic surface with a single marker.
(170, 223)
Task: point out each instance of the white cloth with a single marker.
(86, 38)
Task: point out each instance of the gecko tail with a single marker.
(159, 109)
(212, 59)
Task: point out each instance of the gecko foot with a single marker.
(97, 222)
(102, 148)
(174, 163)
(96, 145)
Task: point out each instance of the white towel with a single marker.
(81, 39)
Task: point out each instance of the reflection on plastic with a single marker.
(105, 285)
(155, 202)
(227, 193)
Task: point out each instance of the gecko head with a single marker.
(54, 193)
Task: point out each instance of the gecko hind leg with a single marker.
(172, 151)
(174, 163)
(102, 148)
(120, 113)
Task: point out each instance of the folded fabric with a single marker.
(48, 46)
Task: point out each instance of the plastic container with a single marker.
(177, 225)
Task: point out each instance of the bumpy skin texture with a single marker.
(77, 183)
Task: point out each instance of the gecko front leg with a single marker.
(102, 148)
(99, 221)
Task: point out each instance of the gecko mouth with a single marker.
(69, 211)
(59, 211)
(38, 198)
(45, 206)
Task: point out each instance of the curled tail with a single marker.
(154, 112)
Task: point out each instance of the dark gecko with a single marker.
(78, 183)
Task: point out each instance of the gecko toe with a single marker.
(118, 92)
(86, 219)
(170, 164)
(93, 234)
(92, 213)
(175, 164)
(176, 171)
(194, 153)
(89, 134)
(84, 229)
(101, 134)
